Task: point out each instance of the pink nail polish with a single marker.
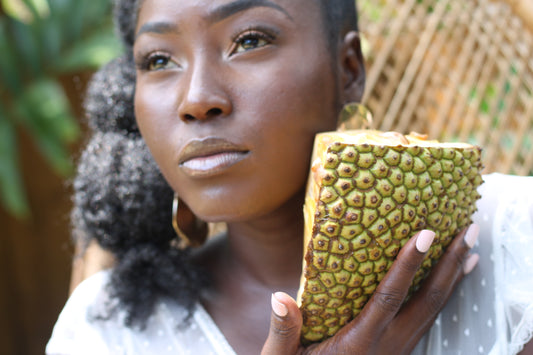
(424, 240)
(279, 308)
(471, 235)
(470, 263)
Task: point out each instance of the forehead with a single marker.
(299, 11)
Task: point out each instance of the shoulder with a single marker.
(83, 327)
(503, 187)
(507, 201)
(506, 212)
(505, 215)
(493, 306)
(74, 332)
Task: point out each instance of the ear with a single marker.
(353, 69)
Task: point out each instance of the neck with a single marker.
(269, 249)
(258, 257)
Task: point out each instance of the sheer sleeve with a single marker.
(513, 255)
(168, 330)
(491, 311)
(73, 333)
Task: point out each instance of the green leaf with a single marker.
(37, 8)
(93, 52)
(25, 10)
(94, 12)
(62, 7)
(45, 112)
(51, 37)
(12, 193)
(26, 47)
(39, 41)
(9, 70)
(70, 14)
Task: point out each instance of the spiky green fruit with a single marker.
(368, 193)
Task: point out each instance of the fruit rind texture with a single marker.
(375, 198)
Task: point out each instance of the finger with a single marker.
(392, 290)
(285, 326)
(422, 309)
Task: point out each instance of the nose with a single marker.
(203, 97)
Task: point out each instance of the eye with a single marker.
(250, 40)
(157, 61)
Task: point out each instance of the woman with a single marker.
(228, 97)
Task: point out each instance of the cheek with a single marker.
(154, 106)
(293, 112)
(299, 108)
(157, 124)
(309, 98)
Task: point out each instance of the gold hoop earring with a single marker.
(354, 116)
(197, 229)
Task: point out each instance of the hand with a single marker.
(384, 326)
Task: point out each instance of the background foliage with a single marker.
(40, 41)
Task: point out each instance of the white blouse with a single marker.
(76, 332)
(491, 312)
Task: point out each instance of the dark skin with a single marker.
(229, 99)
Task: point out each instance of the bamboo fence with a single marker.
(457, 70)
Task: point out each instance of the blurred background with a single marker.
(48, 51)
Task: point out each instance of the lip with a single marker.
(210, 156)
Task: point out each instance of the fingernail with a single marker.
(279, 308)
(471, 235)
(424, 240)
(470, 263)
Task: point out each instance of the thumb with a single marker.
(285, 326)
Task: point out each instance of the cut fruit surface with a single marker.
(368, 193)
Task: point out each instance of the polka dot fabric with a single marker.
(492, 310)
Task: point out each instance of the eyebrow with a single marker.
(227, 10)
(220, 13)
(157, 27)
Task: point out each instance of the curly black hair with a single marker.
(122, 201)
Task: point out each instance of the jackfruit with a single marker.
(368, 193)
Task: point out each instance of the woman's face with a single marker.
(229, 96)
